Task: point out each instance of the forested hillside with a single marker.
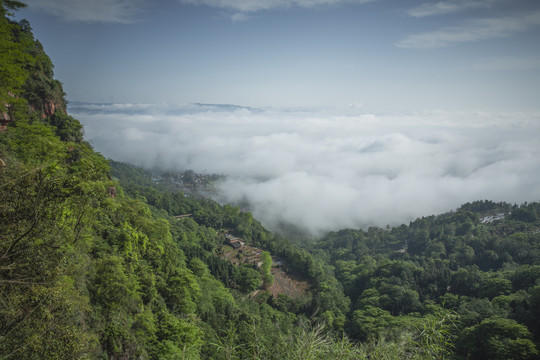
(97, 263)
(479, 265)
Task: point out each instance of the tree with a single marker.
(497, 339)
(248, 279)
(370, 322)
(493, 287)
(14, 60)
(12, 4)
(266, 268)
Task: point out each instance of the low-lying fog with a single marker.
(326, 170)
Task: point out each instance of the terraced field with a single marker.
(284, 282)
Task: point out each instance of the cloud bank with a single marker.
(242, 10)
(447, 7)
(128, 11)
(473, 30)
(323, 170)
(105, 11)
(259, 5)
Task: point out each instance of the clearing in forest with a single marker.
(285, 282)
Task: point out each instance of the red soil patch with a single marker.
(284, 282)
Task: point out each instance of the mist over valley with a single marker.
(327, 169)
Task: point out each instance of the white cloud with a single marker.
(326, 171)
(507, 63)
(239, 16)
(106, 11)
(473, 30)
(127, 11)
(447, 7)
(245, 6)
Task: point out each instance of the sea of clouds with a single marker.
(326, 170)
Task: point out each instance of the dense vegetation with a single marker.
(94, 265)
(486, 272)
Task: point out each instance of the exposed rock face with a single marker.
(4, 119)
(49, 109)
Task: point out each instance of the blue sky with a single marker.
(386, 55)
(350, 113)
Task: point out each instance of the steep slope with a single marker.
(89, 272)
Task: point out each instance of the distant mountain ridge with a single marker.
(141, 108)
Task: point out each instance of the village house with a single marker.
(236, 243)
(491, 218)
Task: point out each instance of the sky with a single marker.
(396, 55)
(322, 113)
